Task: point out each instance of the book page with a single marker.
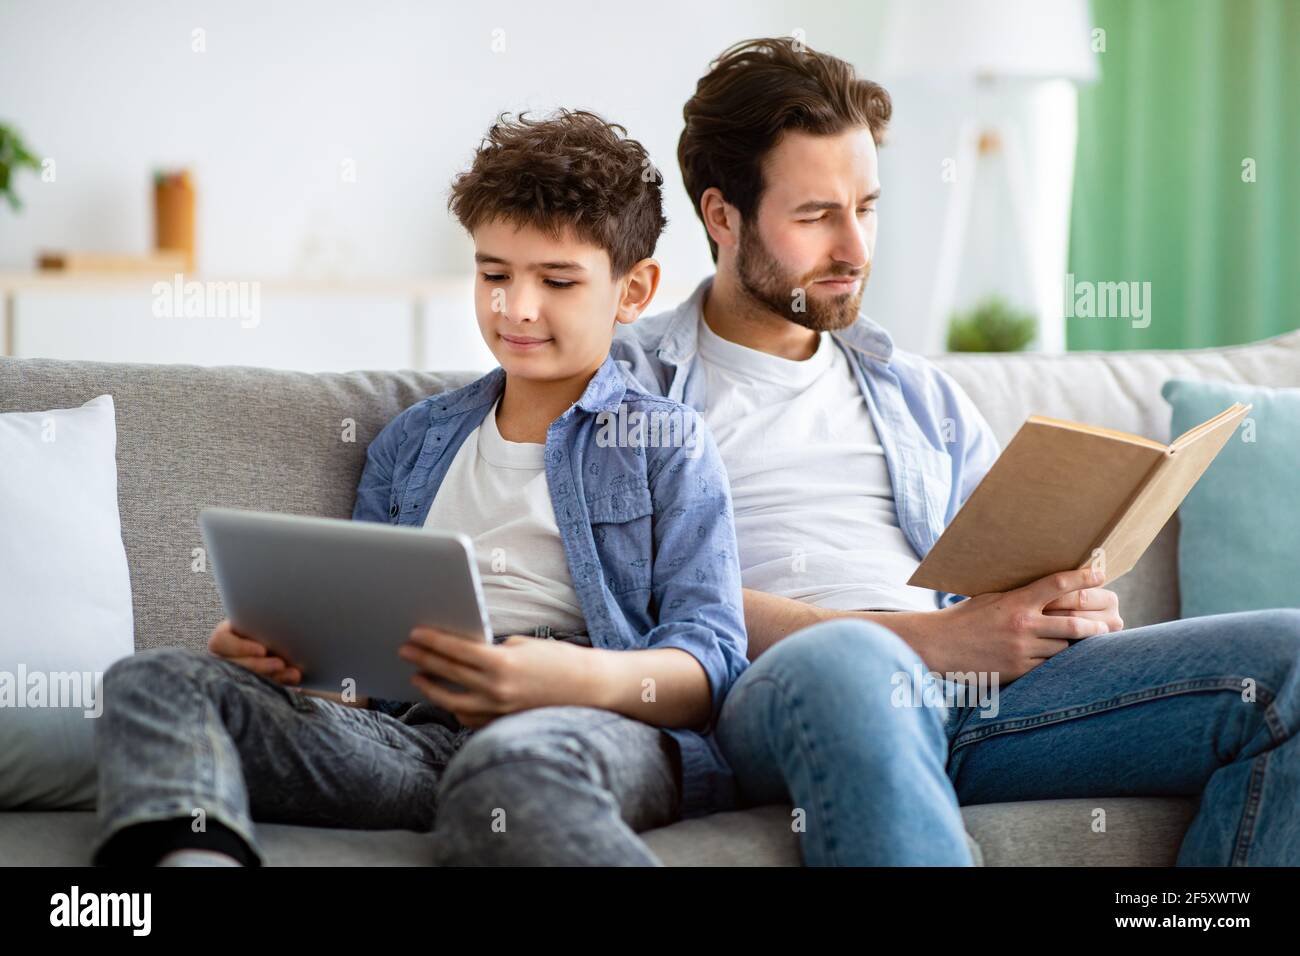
(1197, 430)
(1098, 430)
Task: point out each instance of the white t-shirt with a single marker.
(495, 491)
(815, 514)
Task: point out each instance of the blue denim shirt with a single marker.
(647, 530)
(937, 445)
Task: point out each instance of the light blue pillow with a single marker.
(1239, 541)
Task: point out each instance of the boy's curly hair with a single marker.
(571, 169)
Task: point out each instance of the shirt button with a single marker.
(392, 511)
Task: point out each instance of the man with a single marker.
(847, 458)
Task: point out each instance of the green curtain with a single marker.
(1190, 90)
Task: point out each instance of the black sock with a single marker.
(144, 844)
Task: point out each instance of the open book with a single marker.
(1064, 495)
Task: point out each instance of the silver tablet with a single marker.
(338, 598)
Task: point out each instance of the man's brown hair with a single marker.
(753, 93)
(571, 169)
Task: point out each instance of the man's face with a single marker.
(546, 307)
(806, 252)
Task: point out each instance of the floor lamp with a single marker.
(1020, 59)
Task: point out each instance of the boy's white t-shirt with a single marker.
(815, 513)
(496, 493)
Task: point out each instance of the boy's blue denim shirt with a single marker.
(647, 530)
(937, 445)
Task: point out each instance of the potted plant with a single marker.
(14, 155)
(991, 326)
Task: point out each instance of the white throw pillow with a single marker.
(65, 599)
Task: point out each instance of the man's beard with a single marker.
(764, 280)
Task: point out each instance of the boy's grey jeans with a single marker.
(185, 734)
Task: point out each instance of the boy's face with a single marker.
(814, 229)
(547, 306)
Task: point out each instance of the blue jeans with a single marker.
(1205, 707)
(185, 735)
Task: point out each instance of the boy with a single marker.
(554, 751)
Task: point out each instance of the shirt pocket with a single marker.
(936, 481)
(622, 527)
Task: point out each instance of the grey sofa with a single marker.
(191, 437)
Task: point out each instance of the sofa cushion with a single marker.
(1118, 390)
(1140, 831)
(65, 599)
(1239, 528)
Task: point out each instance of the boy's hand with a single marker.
(500, 679)
(251, 655)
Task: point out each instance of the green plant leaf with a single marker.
(991, 326)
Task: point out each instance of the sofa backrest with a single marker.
(191, 437)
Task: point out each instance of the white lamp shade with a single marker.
(998, 39)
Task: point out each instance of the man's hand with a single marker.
(1012, 632)
(251, 655)
(499, 679)
(1096, 603)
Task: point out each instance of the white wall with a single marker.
(286, 92)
